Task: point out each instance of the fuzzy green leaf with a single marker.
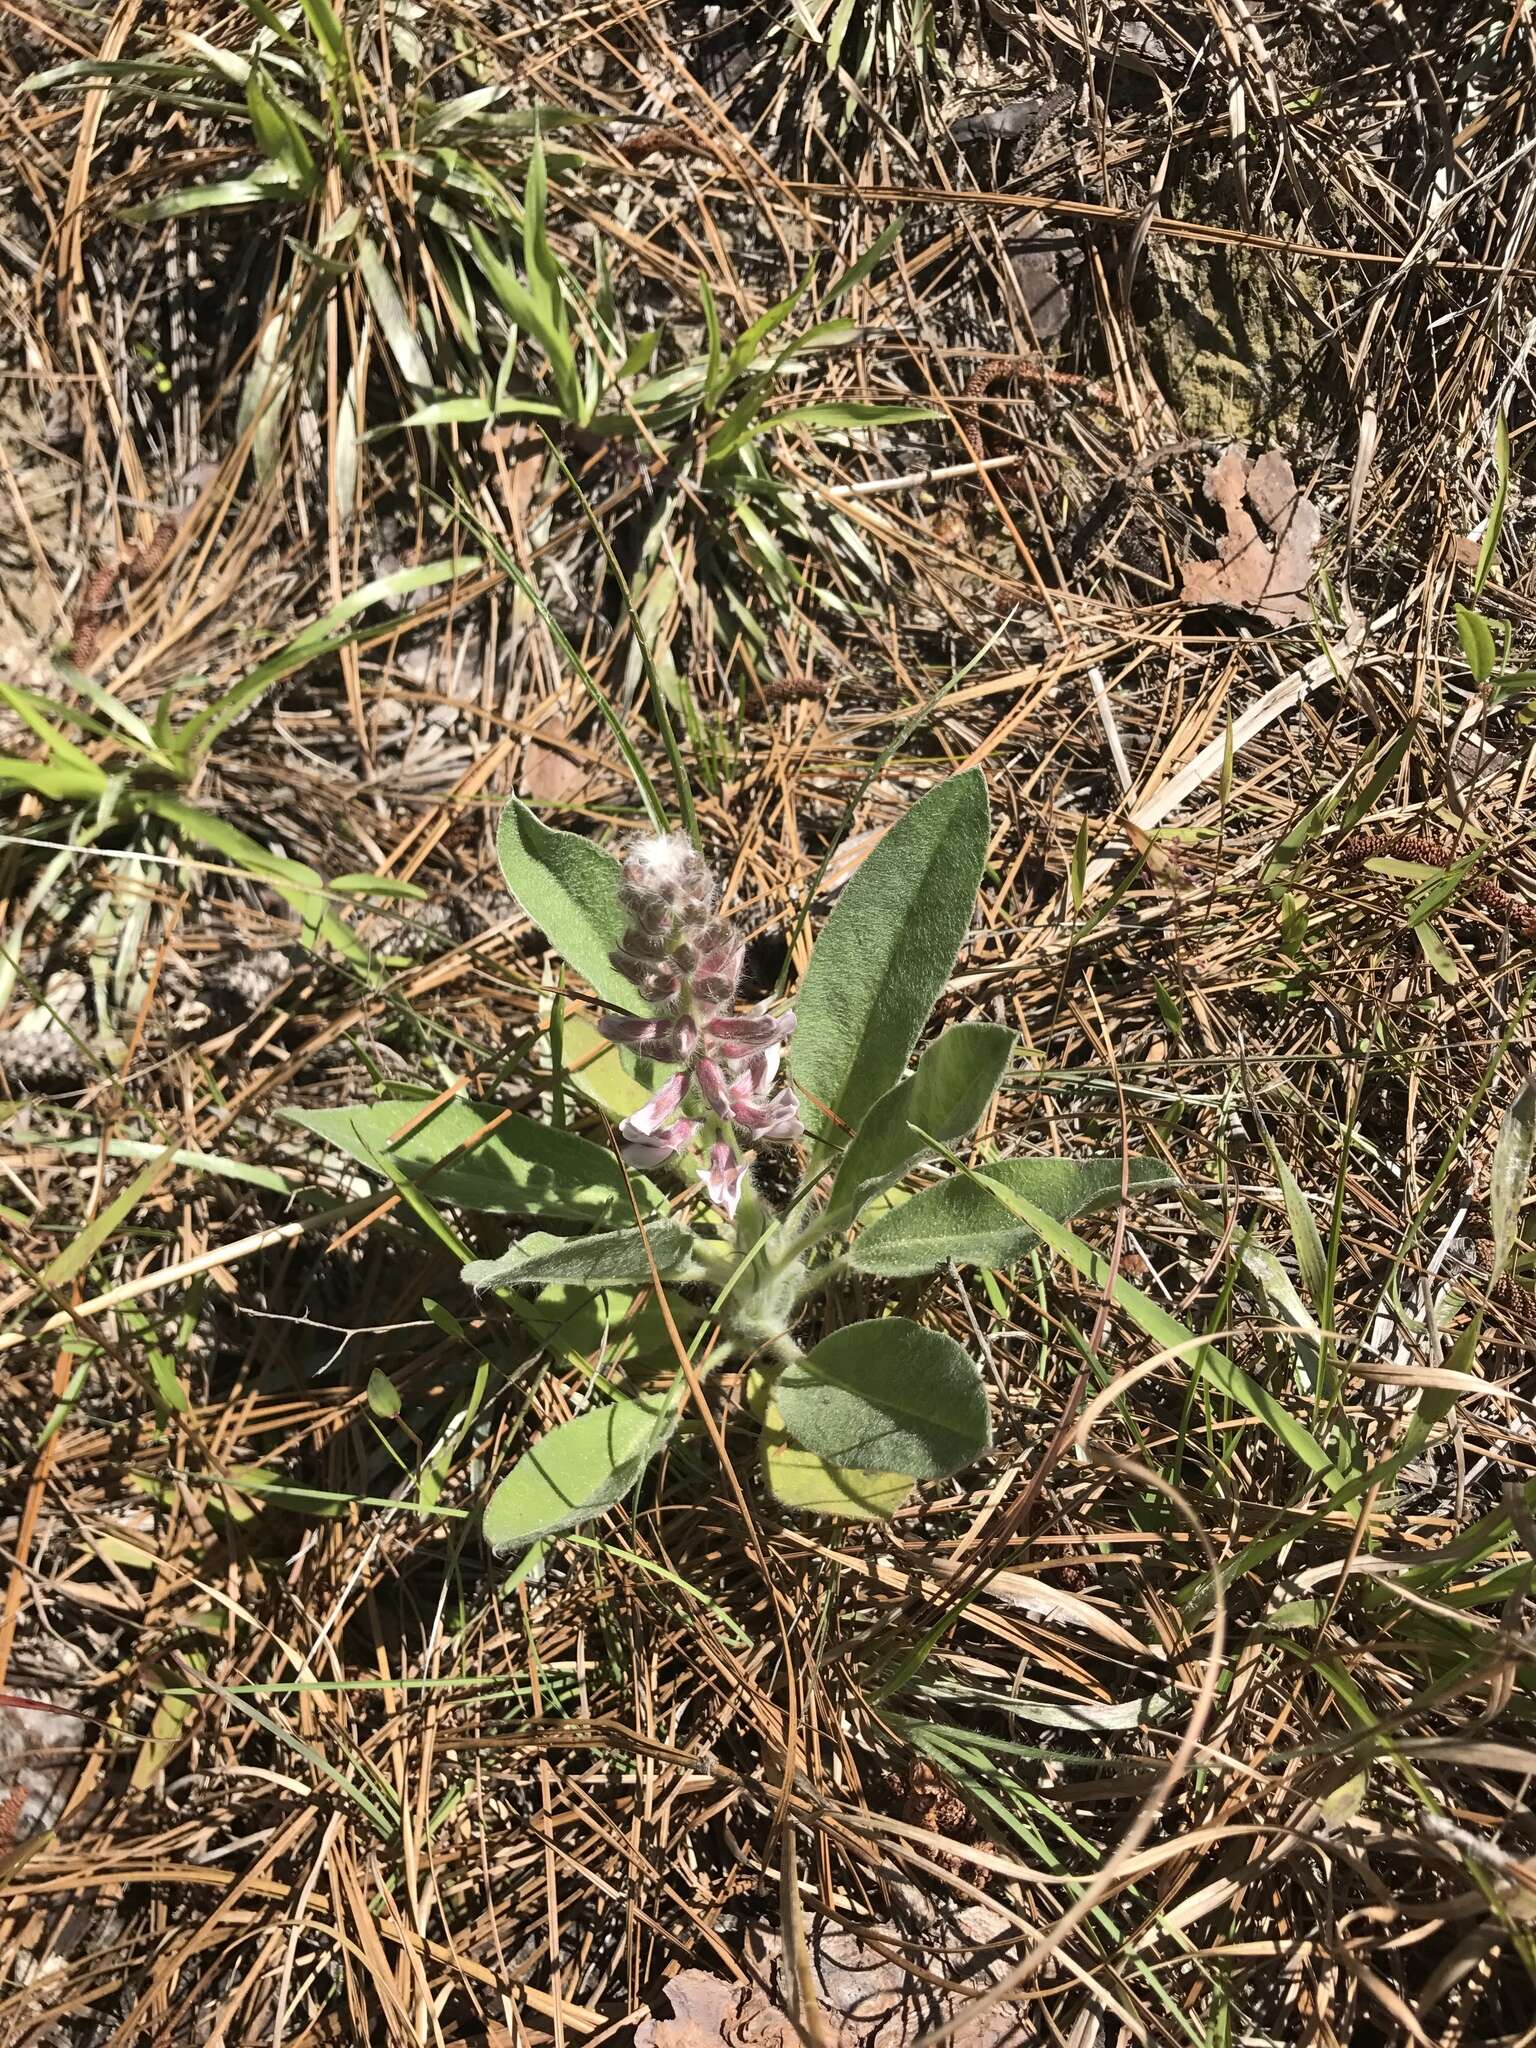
(390, 311)
(617, 1323)
(946, 1098)
(570, 888)
(383, 1396)
(1511, 1174)
(522, 1168)
(576, 1471)
(810, 1485)
(886, 952)
(1476, 637)
(608, 1258)
(616, 1080)
(887, 1396)
(963, 1221)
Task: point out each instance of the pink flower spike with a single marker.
(655, 1148)
(712, 1087)
(723, 1181)
(649, 1118)
(737, 1038)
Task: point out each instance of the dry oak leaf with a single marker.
(1252, 573)
(550, 774)
(868, 1999)
(709, 2013)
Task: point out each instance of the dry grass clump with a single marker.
(412, 406)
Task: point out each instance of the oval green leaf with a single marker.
(610, 1257)
(570, 888)
(1476, 637)
(809, 1485)
(578, 1324)
(600, 1072)
(887, 1396)
(886, 952)
(517, 1168)
(383, 1395)
(576, 1471)
(963, 1221)
(946, 1098)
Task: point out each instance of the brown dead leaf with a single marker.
(550, 774)
(40, 1747)
(708, 2012)
(1252, 573)
(869, 2000)
(518, 478)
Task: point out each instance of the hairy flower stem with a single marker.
(811, 1234)
(758, 1299)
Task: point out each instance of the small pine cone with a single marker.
(93, 602)
(152, 556)
(791, 690)
(1518, 915)
(657, 142)
(46, 1062)
(1417, 846)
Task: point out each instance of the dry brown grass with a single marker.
(328, 1776)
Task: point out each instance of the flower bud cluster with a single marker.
(686, 961)
(675, 950)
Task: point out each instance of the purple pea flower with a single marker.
(743, 1099)
(664, 1039)
(654, 1133)
(655, 1149)
(723, 1181)
(738, 1038)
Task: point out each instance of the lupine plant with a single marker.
(855, 1413)
(669, 1234)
